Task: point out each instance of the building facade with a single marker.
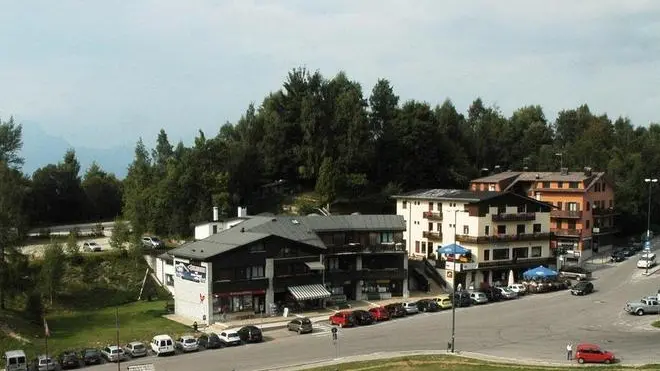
(264, 264)
(502, 232)
(583, 220)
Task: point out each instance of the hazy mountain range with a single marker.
(41, 149)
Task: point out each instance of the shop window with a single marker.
(486, 255)
(520, 252)
(537, 227)
(536, 251)
(169, 280)
(500, 254)
(404, 205)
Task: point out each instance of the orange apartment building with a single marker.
(583, 219)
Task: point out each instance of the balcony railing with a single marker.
(432, 235)
(432, 215)
(604, 211)
(513, 217)
(240, 285)
(561, 232)
(528, 262)
(504, 237)
(356, 248)
(296, 280)
(383, 274)
(568, 214)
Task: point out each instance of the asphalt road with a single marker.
(534, 327)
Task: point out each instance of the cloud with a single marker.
(108, 72)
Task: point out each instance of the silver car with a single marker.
(45, 363)
(507, 293)
(410, 307)
(113, 353)
(478, 297)
(135, 349)
(187, 344)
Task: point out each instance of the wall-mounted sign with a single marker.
(469, 266)
(450, 274)
(190, 272)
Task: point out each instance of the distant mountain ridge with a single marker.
(41, 149)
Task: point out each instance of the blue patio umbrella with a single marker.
(453, 249)
(540, 272)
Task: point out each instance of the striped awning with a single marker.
(309, 292)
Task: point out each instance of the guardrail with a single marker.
(431, 271)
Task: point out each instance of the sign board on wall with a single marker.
(190, 272)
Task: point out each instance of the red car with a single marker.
(342, 319)
(592, 353)
(380, 313)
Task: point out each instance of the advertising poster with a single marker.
(190, 272)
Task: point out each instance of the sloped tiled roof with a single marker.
(448, 194)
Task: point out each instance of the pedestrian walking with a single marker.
(569, 351)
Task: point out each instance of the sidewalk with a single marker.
(268, 323)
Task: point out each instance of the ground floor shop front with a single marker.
(477, 276)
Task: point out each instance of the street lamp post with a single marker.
(650, 181)
(561, 159)
(453, 277)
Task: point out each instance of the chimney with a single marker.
(242, 212)
(497, 169)
(215, 213)
(587, 171)
(564, 171)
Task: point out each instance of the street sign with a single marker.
(647, 245)
(334, 333)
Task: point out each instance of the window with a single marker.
(520, 229)
(560, 184)
(573, 185)
(546, 184)
(333, 263)
(404, 204)
(215, 229)
(537, 228)
(386, 237)
(423, 247)
(536, 251)
(500, 254)
(587, 224)
(588, 205)
(487, 230)
(491, 187)
(603, 187)
(466, 229)
(521, 208)
(571, 224)
(521, 252)
(611, 204)
(559, 205)
(486, 255)
(417, 247)
(501, 209)
(430, 206)
(439, 227)
(597, 187)
(257, 249)
(169, 262)
(573, 206)
(430, 226)
(501, 229)
(169, 280)
(256, 271)
(430, 247)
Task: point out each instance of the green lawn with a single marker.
(444, 363)
(95, 328)
(656, 324)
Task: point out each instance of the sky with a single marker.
(103, 73)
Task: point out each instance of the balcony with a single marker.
(608, 211)
(560, 232)
(566, 214)
(518, 263)
(504, 237)
(297, 280)
(384, 274)
(517, 217)
(240, 285)
(432, 215)
(356, 248)
(342, 275)
(433, 236)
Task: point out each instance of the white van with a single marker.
(162, 344)
(15, 360)
(646, 261)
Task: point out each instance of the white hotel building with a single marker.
(503, 231)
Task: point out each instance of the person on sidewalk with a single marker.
(569, 351)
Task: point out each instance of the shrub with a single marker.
(34, 308)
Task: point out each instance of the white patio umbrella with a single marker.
(512, 278)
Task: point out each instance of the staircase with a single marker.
(429, 275)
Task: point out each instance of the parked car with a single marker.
(380, 313)
(91, 246)
(647, 261)
(492, 293)
(643, 306)
(68, 360)
(518, 288)
(428, 305)
(396, 310)
(250, 334)
(209, 341)
(343, 319)
(575, 272)
(162, 344)
(91, 356)
(230, 338)
(582, 288)
(135, 349)
(152, 242)
(461, 299)
(410, 307)
(186, 344)
(591, 353)
(45, 363)
(363, 318)
(507, 293)
(618, 255)
(478, 297)
(113, 353)
(301, 326)
(443, 301)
